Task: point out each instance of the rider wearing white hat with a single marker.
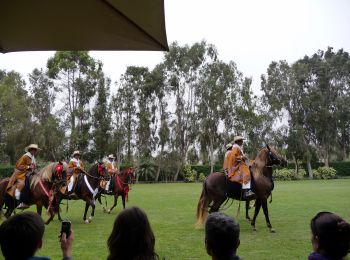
(238, 170)
(112, 170)
(25, 164)
(76, 166)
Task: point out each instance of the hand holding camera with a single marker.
(66, 239)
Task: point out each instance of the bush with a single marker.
(326, 173)
(285, 174)
(189, 174)
(201, 177)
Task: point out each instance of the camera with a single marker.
(65, 228)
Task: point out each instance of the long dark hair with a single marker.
(132, 237)
(332, 233)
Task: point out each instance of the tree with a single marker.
(74, 72)
(102, 115)
(48, 130)
(16, 130)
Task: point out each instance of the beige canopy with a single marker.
(32, 25)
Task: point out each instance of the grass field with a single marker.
(171, 210)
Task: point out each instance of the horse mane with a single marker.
(45, 174)
(259, 163)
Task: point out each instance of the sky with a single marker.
(252, 33)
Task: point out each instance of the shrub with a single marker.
(189, 174)
(201, 177)
(283, 174)
(326, 173)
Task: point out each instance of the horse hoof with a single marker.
(109, 211)
(254, 229)
(87, 221)
(272, 230)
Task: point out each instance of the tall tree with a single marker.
(49, 132)
(74, 72)
(102, 115)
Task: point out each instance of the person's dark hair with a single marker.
(332, 234)
(25, 230)
(132, 236)
(221, 235)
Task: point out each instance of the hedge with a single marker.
(342, 168)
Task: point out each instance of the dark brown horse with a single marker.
(217, 189)
(87, 187)
(120, 186)
(39, 189)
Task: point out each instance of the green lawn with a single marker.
(171, 210)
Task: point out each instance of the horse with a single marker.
(38, 189)
(86, 188)
(120, 185)
(217, 188)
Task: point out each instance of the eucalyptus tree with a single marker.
(102, 115)
(16, 129)
(183, 65)
(74, 73)
(217, 82)
(48, 128)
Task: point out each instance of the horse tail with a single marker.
(202, 207)
(3, 186)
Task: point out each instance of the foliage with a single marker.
(189, 174)
(285, 174)
(326, 173)
(201, 177)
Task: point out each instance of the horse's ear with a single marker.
(268, 147)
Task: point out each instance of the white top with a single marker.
(76, 161)
(31, 157)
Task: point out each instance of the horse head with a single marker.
(102, 171)
(60, 171)
(129, 175)
(273, 158)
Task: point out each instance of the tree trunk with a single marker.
(211, 155)
(296, 165)
(326, 158)
(159, 164)
(309, 169)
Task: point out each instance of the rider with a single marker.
(227, 157)
(76, 166)
(112, 169)
(26, 164)
(238, 168)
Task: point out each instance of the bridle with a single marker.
(272, 159)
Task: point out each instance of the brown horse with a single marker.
(120, 186)
(217, 189)
(86, 188)
(39, 189)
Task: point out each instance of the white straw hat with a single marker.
(76, 153)
(111, 156)
(32, 146)
(238, 138)
(229, 145)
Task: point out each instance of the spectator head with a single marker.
(132, 236)
(330, 235)
(221, 236)
(23, 231)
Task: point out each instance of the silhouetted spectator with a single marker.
(330, 237)
(132, 237)
(221, 237)
(21, 236)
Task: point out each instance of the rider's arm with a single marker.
(23, 163)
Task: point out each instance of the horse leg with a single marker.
(216, 204)
(247, 203)
(266, 213)
(123, 200)
(39, 209)
(87, 205)
(114, 204)
(257, 209)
